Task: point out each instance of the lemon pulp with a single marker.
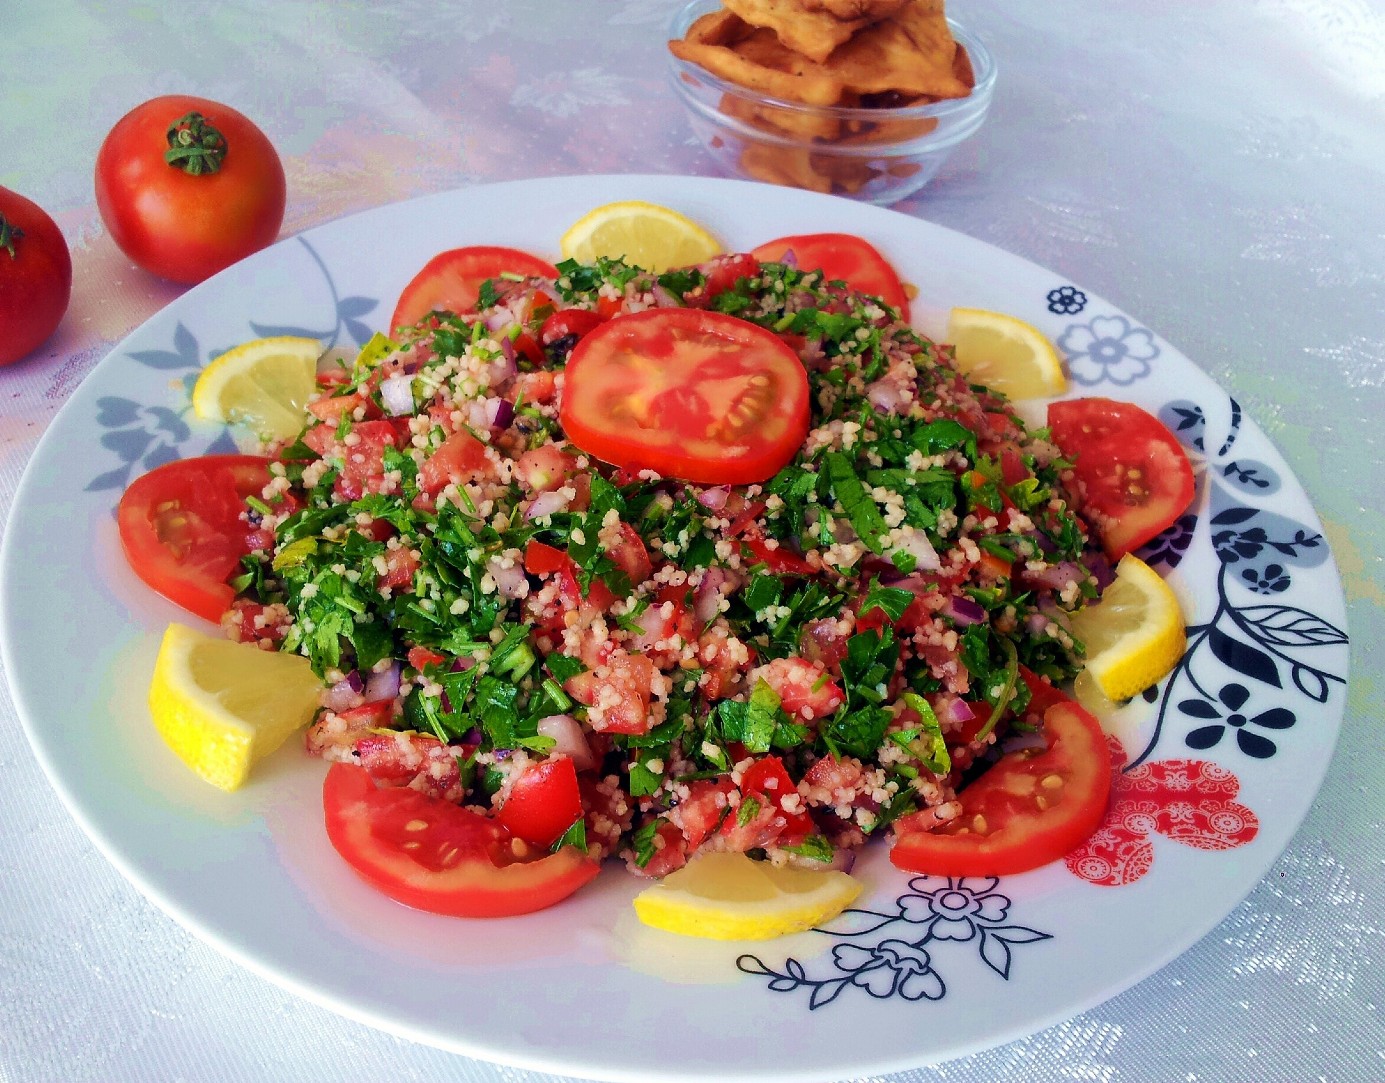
(221, 706)
(643, 234)
(1134, 634)
(1006, 354)
(729, 896)
(263, 385)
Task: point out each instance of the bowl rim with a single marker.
(982, 62)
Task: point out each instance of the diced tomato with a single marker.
(573, 322)
(779, 558)
(182, 530)
(363, 469)
(702, 811)
(400, 565)
(460, 458)
(622, 687)
(806, 691)
(422, 657)
(665, 621)
(670, 851)
(246, 623)
(536, 388)
(693, 395)
(543, 803)
(544, 469)
(722, 273)
(631, 556)
(992, 568)
(437, 856)
(333, 408)
(400, 758)
(769, 780)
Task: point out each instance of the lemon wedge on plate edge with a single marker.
(1134, 634)
(263, 385)
(221, 705)
(1005, 353)
(729, 896)
(643, 234)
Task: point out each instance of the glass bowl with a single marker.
(877, 155)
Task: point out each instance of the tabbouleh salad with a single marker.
(786, 668)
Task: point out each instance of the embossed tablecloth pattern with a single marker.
(1218, 169)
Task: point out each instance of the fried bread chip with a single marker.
(846, 10)
(911, 53)
(812, 27)
(759, 61)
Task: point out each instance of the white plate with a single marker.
(933, 969)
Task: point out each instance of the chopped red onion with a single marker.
(716, 584)
(714, 499)
(383, 684)
(499, 413)
(1056, 576)
(663, 298)
(566, 731)
(958, 711)
(509, 580)
(964, 610)
(345, 694)
(890, 395)
(498, 319)
(397, 395)
(916, 544)
(546, 504)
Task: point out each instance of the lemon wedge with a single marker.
(727, 896)
(222, 705)
(1134, 634)
(1005, 354)
(643, 234)
(263, 384)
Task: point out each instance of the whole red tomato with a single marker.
(35, 276)
(187, 186)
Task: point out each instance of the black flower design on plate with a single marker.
(1229, 714)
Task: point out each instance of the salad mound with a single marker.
(598, 654)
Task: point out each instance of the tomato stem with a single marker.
(8, 235)
(195, 146)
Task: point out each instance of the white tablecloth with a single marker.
(1217, 168)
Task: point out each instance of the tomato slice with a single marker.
(451, 280)
(182, 531)
(1030, 808)
(436, 856)
(843, 256)
(1137, 477)
(694, 395)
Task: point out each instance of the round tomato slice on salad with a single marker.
(436, 856)
(182, 531)
(694, 395)
(1031, 807)
(843, 256)
(451, 280)
(1137, 478)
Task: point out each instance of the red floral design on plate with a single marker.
(1188, 801)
